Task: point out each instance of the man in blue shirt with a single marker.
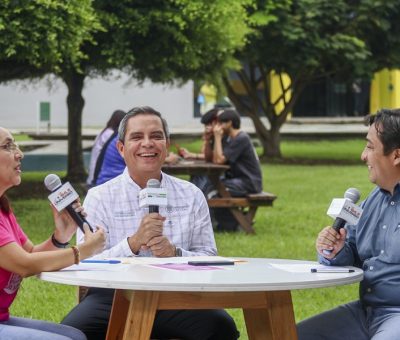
(373, 245)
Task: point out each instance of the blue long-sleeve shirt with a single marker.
(374, 245)
(113, 164)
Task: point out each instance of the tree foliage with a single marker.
(160, 40)
(307, 40)
(37, 37)
(163, 41)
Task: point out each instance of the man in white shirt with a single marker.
(182, 228)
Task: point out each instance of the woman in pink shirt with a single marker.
(20, 258)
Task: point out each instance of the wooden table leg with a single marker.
(141, 313)
(119, 311)
(274, 322)
(242, 220)
(268, 315)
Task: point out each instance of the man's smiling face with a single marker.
(144, 148)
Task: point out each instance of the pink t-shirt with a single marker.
(10, 231)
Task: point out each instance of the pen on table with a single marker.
(210, 263)
(331, 270)
(102, 261)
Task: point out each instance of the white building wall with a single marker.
(19, 101)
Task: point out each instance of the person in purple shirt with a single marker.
(373, 245)
(111, 164)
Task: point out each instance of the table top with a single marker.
(252, 274)
(194, 167)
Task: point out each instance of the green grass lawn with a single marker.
(287, 230)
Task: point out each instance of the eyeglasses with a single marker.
(10, 146)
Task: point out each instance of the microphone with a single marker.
(153, 183)
(153, 196)
(62, 197)
(344, 210)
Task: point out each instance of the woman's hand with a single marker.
(185, 153)
(65, 225)
(172, 158)
(94, 242)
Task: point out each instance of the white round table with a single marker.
(261, 287)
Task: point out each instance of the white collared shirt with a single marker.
(114, 206)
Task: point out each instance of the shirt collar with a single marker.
(130, 181)
(396, 191)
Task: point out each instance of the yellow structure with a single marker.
(385, 90)
(209, 97)
(276, 90)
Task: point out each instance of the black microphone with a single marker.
(353, 195)
(62, 197)
(153, 183)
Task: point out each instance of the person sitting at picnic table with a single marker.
(20, 258)
(228, 144)
(233, 146)
(209, 119)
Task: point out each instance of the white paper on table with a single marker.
(306, 267)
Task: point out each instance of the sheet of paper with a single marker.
(305, 267)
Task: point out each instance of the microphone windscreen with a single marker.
(352, 194)
(153, 183)
(52, 182)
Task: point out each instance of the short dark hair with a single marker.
(387, 125)
(209, 116)
(139, 110)
(229, 115)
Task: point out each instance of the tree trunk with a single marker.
(75, 102)
(272, 144)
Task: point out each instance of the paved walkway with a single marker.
(310, 128)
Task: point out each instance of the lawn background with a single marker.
(287, 230)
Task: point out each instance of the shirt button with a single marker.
(392, 203)
(382, 251)
(384, 227)
(371, 268)
(369, 290)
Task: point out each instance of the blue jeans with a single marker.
(352, 321)
(28, 329)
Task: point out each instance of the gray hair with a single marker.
(139, 110)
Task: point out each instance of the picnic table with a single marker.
(242, 208)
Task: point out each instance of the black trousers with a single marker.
(91, 316)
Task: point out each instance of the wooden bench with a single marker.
(243, 208)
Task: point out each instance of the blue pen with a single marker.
(102, 261)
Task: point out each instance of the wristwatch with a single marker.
(178, 252)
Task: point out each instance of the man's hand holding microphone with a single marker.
(331, 239)
(150, 236)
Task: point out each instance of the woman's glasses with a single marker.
(10, 146)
